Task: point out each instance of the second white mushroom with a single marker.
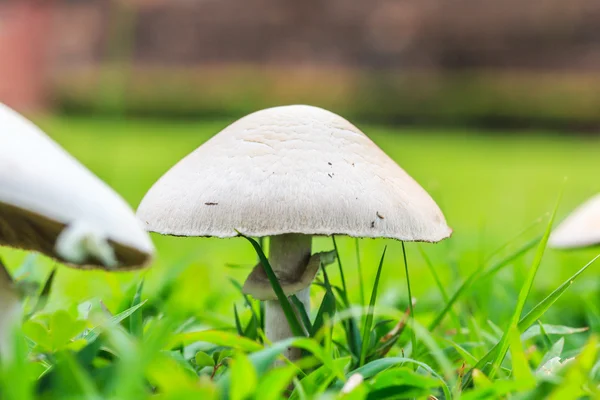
(52, 204)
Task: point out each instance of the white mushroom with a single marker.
(580, 229)
(52, 204)
(289, 173)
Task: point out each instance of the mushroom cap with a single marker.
(45, 193)
(291, 169)
(580, 229)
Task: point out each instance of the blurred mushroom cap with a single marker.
(580, 229)
(51, 203)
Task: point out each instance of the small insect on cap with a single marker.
(580, 229)
(51, 203)
(291, 169)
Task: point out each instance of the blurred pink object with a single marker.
(24, 32)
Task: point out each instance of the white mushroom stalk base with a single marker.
(10, 312)
(288, 255)
(276, 326)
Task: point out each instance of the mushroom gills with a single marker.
(28, 230)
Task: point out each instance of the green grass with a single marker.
(477, 292)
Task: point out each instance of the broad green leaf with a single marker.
(535, 330)
(577, 374)
(168, 374)
(261, 362)
(203, 360)
(275, 382)
(318, 380)
(39, 334)
(375, 367)
(401, 383)
(63, 327)
(243, 377)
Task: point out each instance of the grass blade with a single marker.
(255, 318)
(523, 294)
(528, 228)
(521, 371)
(516, 254)
(545, 338)
(342, 277)
(361, 285)
(532, 316)
(465, 285)
(436, 277)
(480, 274)
(290, 315)
(413, 338)
(136, 322)
(539, 310)
(302, 311)
(43, 297)
(369, 319)
(113, 321)
(438, 282)
(238, 324)
(327, 308)
(350, 325)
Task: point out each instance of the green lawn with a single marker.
(491, 186)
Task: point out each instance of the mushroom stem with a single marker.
(276, 326)
(288, 256)
(10, 308)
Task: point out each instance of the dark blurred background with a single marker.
(465, 62)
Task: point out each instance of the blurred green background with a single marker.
(491, 107)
